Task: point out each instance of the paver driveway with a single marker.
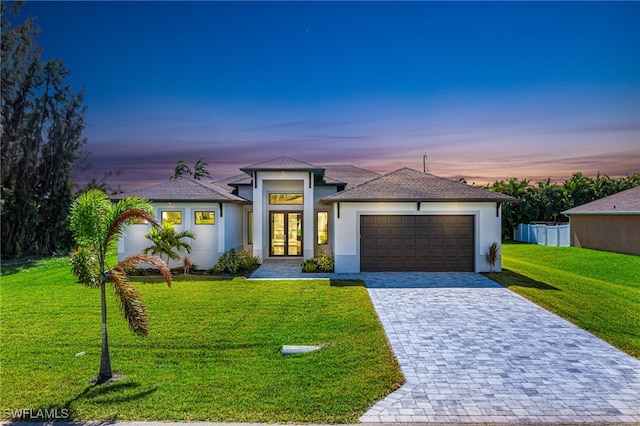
(473, 351)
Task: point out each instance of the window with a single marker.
(139, 221)
(172, 217)
(323, 228)
(205, 218)
(249, 227)
(286, 199)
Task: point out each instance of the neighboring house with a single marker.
(609, 224)
(284, 208)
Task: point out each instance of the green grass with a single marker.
(213, 351)
(598, 291)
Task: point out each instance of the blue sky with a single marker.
(488, 90)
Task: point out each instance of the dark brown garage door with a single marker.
(416, 243)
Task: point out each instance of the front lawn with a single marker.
(213, 351)
(598, 291)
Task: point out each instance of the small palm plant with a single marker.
(168, 242)
(491, 256)
(97, 224)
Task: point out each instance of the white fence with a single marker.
(545, 235)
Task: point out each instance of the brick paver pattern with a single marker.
(473, 351)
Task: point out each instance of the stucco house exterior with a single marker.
(405, 220)
(610, 224)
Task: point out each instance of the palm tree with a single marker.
(200, 169)
(181, 169)
(97, 224)
(166, 241)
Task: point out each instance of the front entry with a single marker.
(286, 234)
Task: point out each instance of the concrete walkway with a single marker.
(473, 351)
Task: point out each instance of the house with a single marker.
(610, 224)
(405, 220)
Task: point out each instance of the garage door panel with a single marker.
(409, 231)
(395, 242)
(395, 220)
(437, 242)
(417, 243)
(382, 220)
(395, 252)
(395, 231)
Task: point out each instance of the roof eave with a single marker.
(329, 200)
(601, 213)
(249, 170)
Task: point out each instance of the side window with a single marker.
(249, 227)
(172, 217)
(323, 228)
(205, 218)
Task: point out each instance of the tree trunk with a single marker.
(105, 360)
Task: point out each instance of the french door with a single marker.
(286, 234)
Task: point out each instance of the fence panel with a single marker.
(546, 235)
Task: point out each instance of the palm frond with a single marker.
(149, 259)
(130, 303)
(121, 207)
(125, 218)
(84, 265)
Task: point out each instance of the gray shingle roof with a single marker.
(352, 176)
(411, 185)
(625, 202)
(282, 163)
(227, 183)
(183, 189)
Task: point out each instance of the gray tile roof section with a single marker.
(411, 185)
(282, 163)
(625, 202)
(352, 176)
(227, 183)
(183, 189)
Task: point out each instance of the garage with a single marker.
(429, 243)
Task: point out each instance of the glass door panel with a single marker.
(294, 234)
(278, 241)
(286, 234)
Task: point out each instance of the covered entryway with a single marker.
(428, 243)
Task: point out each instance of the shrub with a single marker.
(325, 262)
(231, 262)
(247, 260)
(491, 256)
(310, 265)
(228, 262)
(187, 265)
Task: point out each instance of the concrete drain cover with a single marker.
(292, 349)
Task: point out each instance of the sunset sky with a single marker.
(488, 90)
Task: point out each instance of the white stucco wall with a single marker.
(346, 228)
(204, 251)
(233, 227)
